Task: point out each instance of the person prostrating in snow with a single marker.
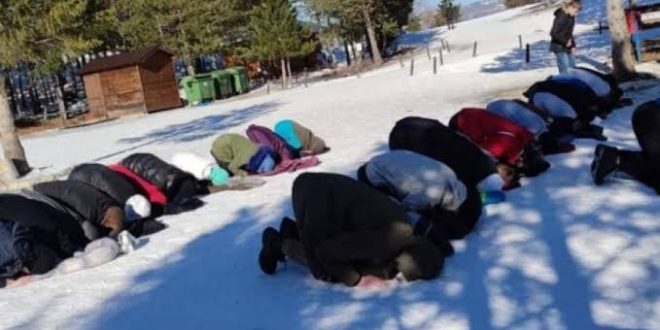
(347, 232)
(563, 42)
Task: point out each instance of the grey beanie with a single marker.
(420, 259)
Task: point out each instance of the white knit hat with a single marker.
(137, 207)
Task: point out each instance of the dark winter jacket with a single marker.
(502, 138)
(431, 138)
(104, 213)
(581, 99)
(646, 125)
(615, 90)
(166, 177)
(562, 32)
(147, 189)
(52, 234)
(15, 248)
(345, 225)
(264, 136)
(105, 180)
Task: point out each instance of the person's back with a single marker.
(431, 138)
(517, 112)
(102, 178)
(233, 152)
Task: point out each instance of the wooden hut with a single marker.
(142, 81)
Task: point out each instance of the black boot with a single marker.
(606, 162)
(289, 229)
(271, 251)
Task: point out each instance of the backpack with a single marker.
(15, 248)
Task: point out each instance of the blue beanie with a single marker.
(286, 131)
(258, 158)
(218, 176)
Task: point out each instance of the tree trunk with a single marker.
(348, 53)
(371, 32)
(59, 95)
(288, 69)
(14, 154)
(283, 62)
(622, 58)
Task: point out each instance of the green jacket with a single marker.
(233, 152)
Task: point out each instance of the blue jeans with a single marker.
(565, 61)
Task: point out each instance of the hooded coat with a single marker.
(431, 138)
(95, 207)
(105, 180)
(562, 32)
(300, 138)
(503, 139)
(420, 183)
(345, 225)
(265, 137)
(39, 234)
(563, 98)
(169, 179)
(519, 113)
(233, 152)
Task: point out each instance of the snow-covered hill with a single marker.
(560, 254)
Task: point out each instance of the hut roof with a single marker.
(122, 60)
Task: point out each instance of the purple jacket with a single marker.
(264, 136)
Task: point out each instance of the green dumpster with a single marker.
(222, 82)
(240, 79)
(198, 88)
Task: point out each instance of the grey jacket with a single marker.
(417, 181)
(518, 114)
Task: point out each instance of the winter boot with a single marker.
(271, 251)
(289, 229)
(606, 162)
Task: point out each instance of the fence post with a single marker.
(520, 43)
(306, 77)
(428, 51)
(527, 54)
(268, 86)
(401, 61)
(412, 66)
(600, 27)
(442, 61)
(474, 50)
(448, 48)
(435, 65)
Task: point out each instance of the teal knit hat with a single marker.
(218, 176)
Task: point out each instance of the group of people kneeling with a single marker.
(398, 218)
(61, 227)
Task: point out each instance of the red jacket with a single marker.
(502, 138)
(154, 195)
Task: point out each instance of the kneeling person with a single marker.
(345, 232)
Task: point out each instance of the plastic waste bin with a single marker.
(240, 79)
(198, 88)
(222, 82)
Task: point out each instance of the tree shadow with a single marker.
(194, 130)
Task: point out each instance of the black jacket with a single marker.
(562, 32)
(49, 228)
(580, 97)
(166, 177)
(431, 138)
(105, 180)
(86, 200)
(346, 225)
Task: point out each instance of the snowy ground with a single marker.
(560, 254)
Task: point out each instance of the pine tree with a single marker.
(277, 34)
(42, 33)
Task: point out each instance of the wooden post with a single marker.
(600, 27)
(268, 86)
(527, 54)
(442, 61)
(520, 43)
(474, 50)
(401, 61)
(448, 48)
(435, 65)
(412, 66)
(306, 77)
(428, 52)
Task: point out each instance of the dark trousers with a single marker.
(645, 165)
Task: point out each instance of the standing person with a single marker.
(563, 42)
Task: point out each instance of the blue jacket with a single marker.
(15, 248)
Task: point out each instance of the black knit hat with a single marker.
(420, 259)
